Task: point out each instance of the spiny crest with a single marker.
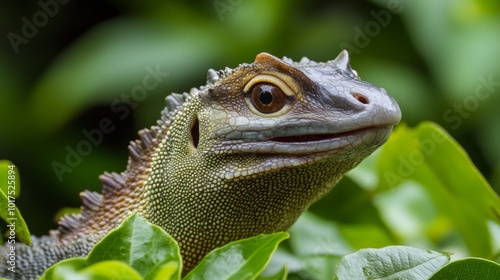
(148, 137)
(341, 63)
(214, 76)
(140, 151)
(112, 183)
(69, 223)
(303, 61)
(91, 202)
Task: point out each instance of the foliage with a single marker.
(135, 250)
(469, 268)
(245, 259)
(140, 250)
(442, 169)
(10, 187)
(394, 262)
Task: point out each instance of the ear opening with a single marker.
(195, 132)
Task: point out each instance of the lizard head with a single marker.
(250, 151)
(292, 113)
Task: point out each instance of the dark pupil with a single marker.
(266, 97)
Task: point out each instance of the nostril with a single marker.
(361, 98)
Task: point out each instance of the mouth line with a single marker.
(314, 144)
(307, 138)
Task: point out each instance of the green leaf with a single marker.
(429, 156)
(313, 235)
(167, 271)
(470, 268)
(64, 269)
(243, 259)
(14, 219)
(142, 245)
(393, 262)
(134, 250)
(280, 275)
(283, 258)
(111, 270)
(321, 266)
(12, 185)
(462, 178)
(77, 268)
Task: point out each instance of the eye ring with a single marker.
(267, 98)
(269, 95)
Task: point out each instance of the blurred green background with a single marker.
(65, 67)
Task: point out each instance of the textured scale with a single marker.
(218, 168)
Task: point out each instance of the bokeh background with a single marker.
(67, 65)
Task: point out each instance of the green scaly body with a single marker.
(243, 155)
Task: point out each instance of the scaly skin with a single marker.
(243, 155)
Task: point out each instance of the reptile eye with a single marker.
(267, 98)
(270, 96)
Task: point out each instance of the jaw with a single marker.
(324, 143)
(297, 150)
